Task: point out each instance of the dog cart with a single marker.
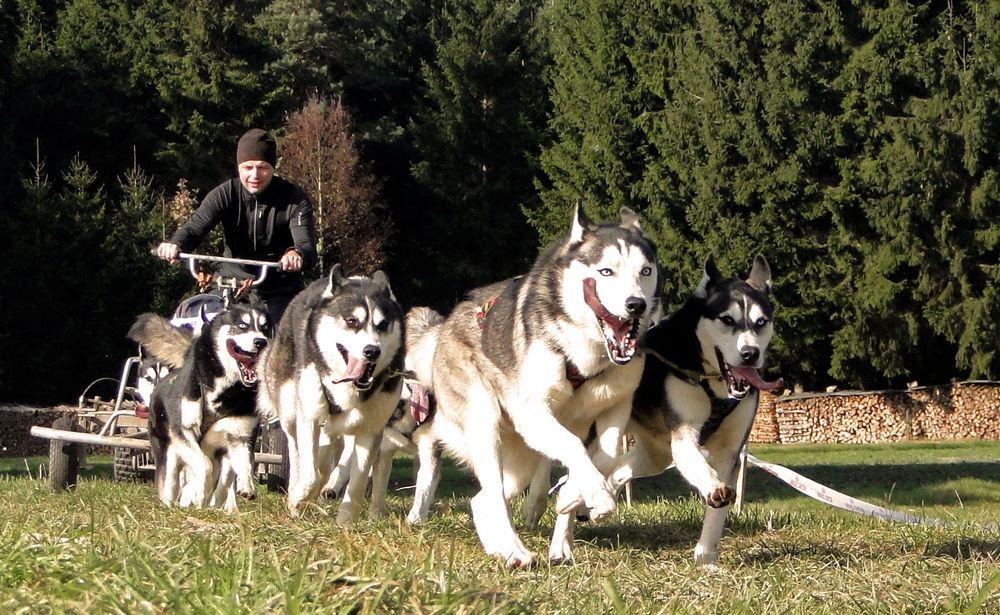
(121, 424)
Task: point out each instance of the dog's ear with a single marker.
(581, 224)
(380, 278)
(709, 278)
(760, 274)
(629, 219)
(337, 280)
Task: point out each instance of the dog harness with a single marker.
(721, 408)
(576, 379)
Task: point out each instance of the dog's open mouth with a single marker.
(359, 371)
(247, 361)
(620, 334)
(741, 379)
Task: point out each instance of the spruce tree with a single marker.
(475, 133)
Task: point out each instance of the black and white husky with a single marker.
(333, 374)
(203, 418)
(523, 374)
(699, 391)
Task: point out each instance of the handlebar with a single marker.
(192, 258)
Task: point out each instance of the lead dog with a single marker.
(203, 419)
(699, 391)
(525, 374)
(333, 374)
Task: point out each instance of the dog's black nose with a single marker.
(749, 355)
(260, 343)
(371, 352)
(635, 306)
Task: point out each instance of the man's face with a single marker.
(255, 175)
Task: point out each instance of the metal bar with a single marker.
(83, 437)
(267, 458)
(123, 384)
(226, 259)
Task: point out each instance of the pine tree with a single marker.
(475, 134)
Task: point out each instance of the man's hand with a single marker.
(168, 251)
(291, 260)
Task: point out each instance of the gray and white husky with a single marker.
(524, 374)
(203, 413)
(699, 391)
(334, 373)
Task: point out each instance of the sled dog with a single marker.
(334, 373)
(699, 391)
(202, 415)
(525, 373)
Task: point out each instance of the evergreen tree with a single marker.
(598, 148)
(475, 134)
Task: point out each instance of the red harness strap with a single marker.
(483, 309)
(576, 379)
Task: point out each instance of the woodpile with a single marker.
(15, 422)
(945, 412)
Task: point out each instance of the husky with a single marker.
(202, 418)
(698, 396)
(334, 373)
(417, 426)
(191, 314)
(523, 375)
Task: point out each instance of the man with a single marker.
(264, 217)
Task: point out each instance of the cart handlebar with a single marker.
(264, 266)
(191, 258)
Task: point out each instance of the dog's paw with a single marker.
(561, 551)
(296, 507)
(705, 560)
(521, 558)
(415, 518)
(723, 495)
(600, 504)
(329, 494)
(347, 513)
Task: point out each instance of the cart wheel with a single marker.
(277, 474)
(64, 457)
(126, 468)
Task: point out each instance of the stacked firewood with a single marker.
(17, 420)
(947, 412)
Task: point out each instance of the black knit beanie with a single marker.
(257, 145)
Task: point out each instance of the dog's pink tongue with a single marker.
(753, 377)
(420, 402)
(355, 367)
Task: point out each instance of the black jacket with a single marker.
(258, 227)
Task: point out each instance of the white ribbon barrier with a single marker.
(835, 498)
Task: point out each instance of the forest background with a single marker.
(856, 144)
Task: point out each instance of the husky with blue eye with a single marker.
(523, 369)
(333, 374)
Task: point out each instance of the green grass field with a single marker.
(110, 547)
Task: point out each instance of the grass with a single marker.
(110, 547)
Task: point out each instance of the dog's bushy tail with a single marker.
(161, 339)
(422, 326)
